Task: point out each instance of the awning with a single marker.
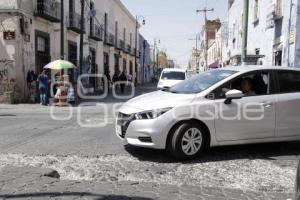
(214, 65)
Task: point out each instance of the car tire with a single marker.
(187, 141)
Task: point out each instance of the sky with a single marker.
(175, 22)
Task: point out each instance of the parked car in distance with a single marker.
(228, 106)
(171, 76)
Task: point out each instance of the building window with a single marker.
(278, 8)
(124, 34)
(41, 44)
(130, 39)
(116, 31)
(256, 11)
(117, 63)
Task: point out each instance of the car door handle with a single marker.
(267, 104)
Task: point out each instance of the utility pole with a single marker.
(62, 37)
(81, 35)
(205, 10)
(289, 33)
(136, 47)
(245, 31)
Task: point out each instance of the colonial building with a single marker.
(217, 48)
(273, 32)
(208, 37)
(145, 61)
(194, 64)
(30, 38)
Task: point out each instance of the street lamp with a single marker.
(138, 17)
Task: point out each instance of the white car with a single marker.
(228, 106)
(297, 185)
(170, 77)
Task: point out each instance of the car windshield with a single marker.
(171, 75)
(201, 82)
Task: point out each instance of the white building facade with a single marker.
(273, 32)
(30, 38)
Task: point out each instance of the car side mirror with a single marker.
(233, 94)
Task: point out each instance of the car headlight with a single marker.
(152, 114)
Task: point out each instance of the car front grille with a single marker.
(124, 121)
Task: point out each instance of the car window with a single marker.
(201, 82)
(251, 84)
(169, 75)
(289, 81)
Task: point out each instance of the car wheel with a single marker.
(187, 141)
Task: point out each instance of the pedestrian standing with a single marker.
(123, 79)
(107, 74)
(115, 79)
(43, 80)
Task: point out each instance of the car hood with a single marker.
(156, 100)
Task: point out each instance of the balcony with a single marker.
(128, 48)
(74, 22)
(132, 52)
(120, 45)
(47, 9)
(96, 32)
(110, 39)
(139, 54)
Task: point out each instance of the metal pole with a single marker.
(206, 42)
(62, 32)
(154, 63)
(144, 53)
(135, 53)
(245, 32)
(289, 32)
(81, 36)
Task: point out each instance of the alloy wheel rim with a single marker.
(191, 141)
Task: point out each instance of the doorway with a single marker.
(72, 57)
(42, 50)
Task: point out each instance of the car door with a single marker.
(251, 117)
(288, 104)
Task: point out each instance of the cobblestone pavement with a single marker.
(38, 183)
(92, 163)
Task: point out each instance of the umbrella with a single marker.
(60, 65)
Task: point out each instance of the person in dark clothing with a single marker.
(123, 79)
(107, 75)
(115, 79)
(43, 87)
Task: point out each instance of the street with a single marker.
(95, 160)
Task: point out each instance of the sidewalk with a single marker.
(38, 183)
